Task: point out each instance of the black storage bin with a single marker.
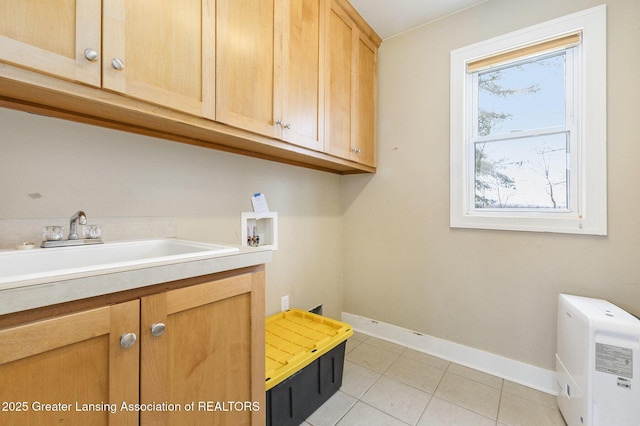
(291, 401)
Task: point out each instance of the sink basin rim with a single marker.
(176, 251)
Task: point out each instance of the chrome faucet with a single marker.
(78, 218)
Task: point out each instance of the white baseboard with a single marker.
(515, 371)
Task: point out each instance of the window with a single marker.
(528, 129)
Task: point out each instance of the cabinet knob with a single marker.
(117, 64)
(356, 150)
(91, 55)
(128, 339)
(284, 126)
(157, 329)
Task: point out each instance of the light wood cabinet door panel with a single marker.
(70, 362)
(212, 352)
(365, 142)
(166, 50)
(341, 93)
(245, 74)
(51, 36)
(303, 71)
(351, 94)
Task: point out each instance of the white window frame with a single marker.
(588, 213)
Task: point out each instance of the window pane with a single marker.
(523, 96)
(522, 173)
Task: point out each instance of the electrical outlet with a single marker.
(284, 304)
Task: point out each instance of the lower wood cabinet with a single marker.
(205, 355)
(197, 358)
(51, 369)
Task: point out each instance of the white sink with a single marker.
(20, 265)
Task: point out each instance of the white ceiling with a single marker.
(392, 17)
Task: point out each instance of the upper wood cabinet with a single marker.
(270, 62)
(303, 44)
(52, 37)
(365, 141)
(351, 92)
(161, 51)
(245, 70)
(287, 80)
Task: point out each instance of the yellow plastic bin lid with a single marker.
(296, 338)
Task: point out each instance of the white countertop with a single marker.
(36, 293)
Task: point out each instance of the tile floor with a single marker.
(388, 384)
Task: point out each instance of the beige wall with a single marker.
(491, 290)
(113, 174)
(385, 236)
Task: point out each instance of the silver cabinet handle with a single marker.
(117, 64)
(128, 339)
(284, 126)
(356, 150)
(91, 55)
(157, 329)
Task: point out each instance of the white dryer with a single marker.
(597, 363)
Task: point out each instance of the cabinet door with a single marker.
(341, 93)
(303, 70)
(161, 51)
(76, 364)
(51, 37)
(211, 353)
(245, 74)
(363, 149)
(351, 93)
